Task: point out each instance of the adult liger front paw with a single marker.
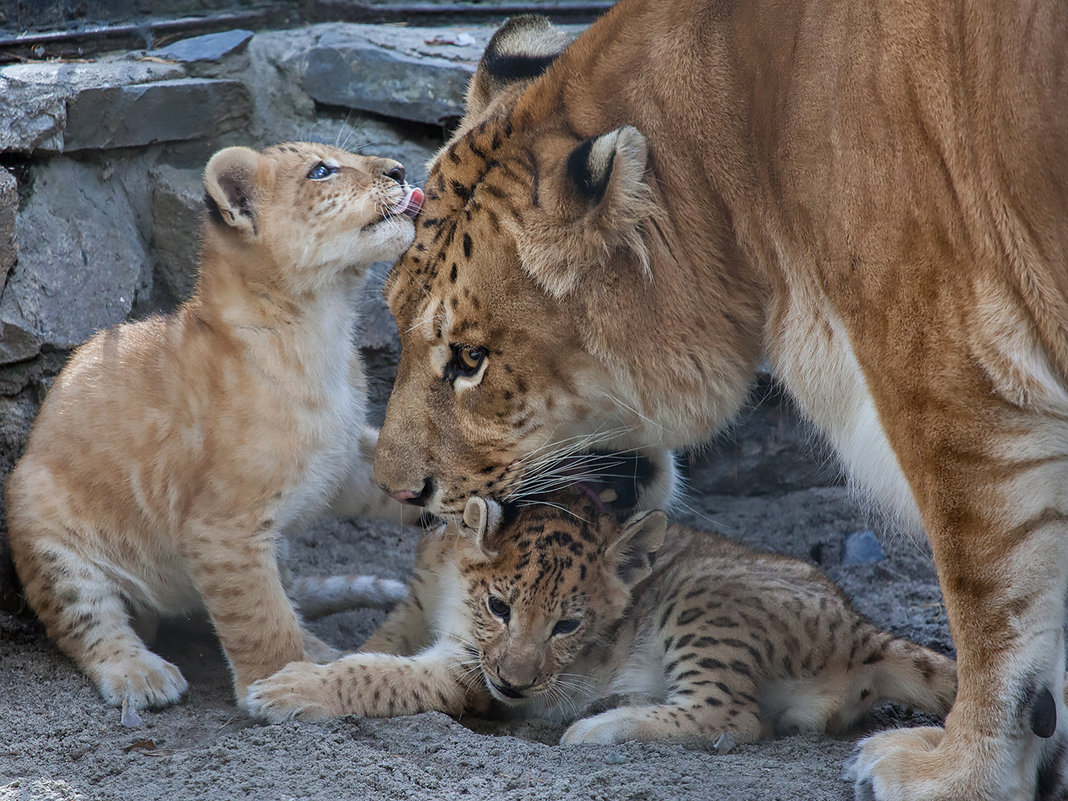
(922, 764)
(296, 691)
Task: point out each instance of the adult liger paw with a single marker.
(908, 765)
(142, 680)
(296, 691)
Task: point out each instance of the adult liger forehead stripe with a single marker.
(872, 198)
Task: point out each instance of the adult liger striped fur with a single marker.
(875, 196)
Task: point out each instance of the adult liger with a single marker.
(872, 195)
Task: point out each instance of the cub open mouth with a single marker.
(410, 205)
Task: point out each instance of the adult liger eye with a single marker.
(466, 360)
(566, 626)
(499, 607)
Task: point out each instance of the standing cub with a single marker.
(171, 453)
(563, 604)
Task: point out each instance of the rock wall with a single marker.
(100, 199)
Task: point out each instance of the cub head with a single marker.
(545, 583)
(518, 302)
(301, 213)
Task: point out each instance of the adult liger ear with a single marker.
(230, 184)
(482, 516)
(636, 544)
(607, 203)
(520, 51)
(608, 171)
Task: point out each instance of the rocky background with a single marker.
(102, 149)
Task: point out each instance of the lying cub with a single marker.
(563, 604)
(171, 453)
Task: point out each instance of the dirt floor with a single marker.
(59, 741)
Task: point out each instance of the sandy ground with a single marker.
(59, 741)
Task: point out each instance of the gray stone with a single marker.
(36, 373)
(164, 111)
(33, 97)
(768, 449)
(861, 548)
(209, 47)
(9, 203)
(17, 343)
(81, 259)
(412, 80)
(16, 417)
(177, 203)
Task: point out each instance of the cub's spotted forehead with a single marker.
(546, 535)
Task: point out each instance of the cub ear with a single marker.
(230, 184)
(636, 544)
(520, 51)
(482, 516)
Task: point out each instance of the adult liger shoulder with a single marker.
(171, 453)
(871, 195)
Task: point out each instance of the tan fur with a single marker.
(874, 196)
(171, 453)
(710, 638)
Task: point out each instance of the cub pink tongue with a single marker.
(415, 202)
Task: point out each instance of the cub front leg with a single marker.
(368, 684)
(238, 579)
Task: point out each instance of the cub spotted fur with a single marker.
(171, 453)
(563, 605)
(871, 195)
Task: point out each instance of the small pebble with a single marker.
(613, 757)
(129, 717)
(861, 548)
(724, 744)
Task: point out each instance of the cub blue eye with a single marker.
(321, 171)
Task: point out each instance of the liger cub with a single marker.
(543, 609)
(171, 453)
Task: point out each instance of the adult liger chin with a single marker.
(872, 197)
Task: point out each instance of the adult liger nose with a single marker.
(413, 497)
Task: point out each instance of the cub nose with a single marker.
(397, 173)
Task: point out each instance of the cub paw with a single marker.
(296, 691)
(607, 728)
(141, 679)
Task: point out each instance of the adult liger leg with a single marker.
(988, 479)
